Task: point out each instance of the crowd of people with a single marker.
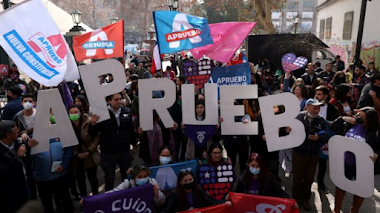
(333, 101)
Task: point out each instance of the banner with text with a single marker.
(261, 204)
(221, 208)
(136, 199)
(166, 175)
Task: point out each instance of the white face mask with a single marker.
(27, 105)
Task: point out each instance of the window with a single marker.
(308, 4)
(291, 15)
(306, 25)
(277, 25)
(322, 29)
(292, 5)
(347, 27)
(307, 14)
(328, 28)
(276, 15)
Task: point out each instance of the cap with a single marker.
(313, 102)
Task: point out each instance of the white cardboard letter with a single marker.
(228, 111)
(272, 122)
(211, 105)
(364, 184)
(147, 104)
(96, 93)
(43, 132)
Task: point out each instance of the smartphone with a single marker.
(312, 132)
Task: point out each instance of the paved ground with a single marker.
(321, 202)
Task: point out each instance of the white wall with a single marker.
(336, 10)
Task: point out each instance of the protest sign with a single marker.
(179, 31)
(132, 200)
(43, 132)
(211, 105)
(221, 208)
(231, 75)
(291, 62)
(363, 184)
(36, 45)
(166, 175)
(218, 181)
(199, 72)
(261, 204)
(106, 42)
(200, 134)
(4, 69)
(227, 37)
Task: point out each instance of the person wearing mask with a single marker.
(364, 127)
(338, 79)
(14, 190)
(26, 117)
(115, 137)
(338, 63)
(309, 77)
(257, 180)
(164, 156)
(358, 83)
(328, 74)
(188, 195)
(365, 98)
(306, 156)
(86, 156)
(140, 176)
(329, 112)
(14, 105)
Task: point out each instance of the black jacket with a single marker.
(13, 188)
(309, 147)
(114, 138)
(272, 188)
(172, 202)
(306, 78)
(332, 112)
(365, 99)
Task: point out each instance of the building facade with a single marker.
(284, 19)
(337, 25)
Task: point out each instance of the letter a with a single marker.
(43, 132)
(180, 22)
(96, 35)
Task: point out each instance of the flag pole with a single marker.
(123, 47)
(159, 52)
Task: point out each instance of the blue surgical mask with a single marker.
(165, 160)
(254, 171)
(142, 181)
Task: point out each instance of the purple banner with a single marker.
(136, 199)
(200, 134)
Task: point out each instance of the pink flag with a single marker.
(227, 37)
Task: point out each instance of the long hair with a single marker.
(341, 93)
(264, 173)
(300, 80)
(85, 105)
(181, 193)
(304, 92)
(372, 122)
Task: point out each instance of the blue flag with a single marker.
(179, 31)
(166, 175)
(136, 199)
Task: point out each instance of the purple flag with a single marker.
(136, 199)
(200, 134)
(66, 94)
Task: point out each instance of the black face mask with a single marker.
(188, 185)
(359, 120)
(341, 80)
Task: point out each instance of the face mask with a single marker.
(74, 117)
(359, 120)
(254, 171)
(165, 160)
(14, 76)
(311, 116)
(27, 105)
(52, 119)
(142, 181)
(188, 185)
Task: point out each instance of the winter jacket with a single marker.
(198, 201)
(20, 123)
(112, 137)
(42, 162)
(309, 147)
(12, 108)
(132, 183)
(272, 188)
(365, 99)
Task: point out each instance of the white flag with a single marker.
(32, 39)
